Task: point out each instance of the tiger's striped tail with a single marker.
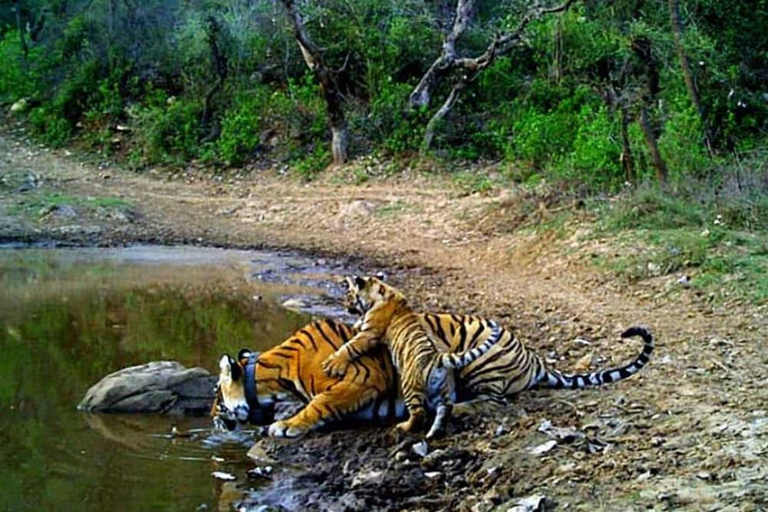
(555, 379)
(458, 361)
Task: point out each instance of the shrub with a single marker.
(50, 126)
(16, 82)
(170, 131)
(240, 128)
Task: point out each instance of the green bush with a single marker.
(16, 80)
(240, 129)
(682, 142)
(389, 122)
(50, 126)
(596, 154)
(168, 131)
(309, 166)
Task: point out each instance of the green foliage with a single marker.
(169, 131)
(596, 153)
(310, 165)
(551, 108)
(52, 128)
(389, 121)
(16, 82)
(240, 129)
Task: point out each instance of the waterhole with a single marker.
(70, 316)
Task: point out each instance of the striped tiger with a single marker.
(505, 370)
(252, 384)
(426, 372)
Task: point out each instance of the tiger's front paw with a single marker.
(282, 429)
(335, 366)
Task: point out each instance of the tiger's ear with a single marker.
(235, 369)
(244, 353)
(228, 367)
(225, 366)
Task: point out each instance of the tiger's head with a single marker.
(365, 292)
(232, 407)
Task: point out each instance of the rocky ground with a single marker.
(690, 432)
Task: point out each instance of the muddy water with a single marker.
(68, 317)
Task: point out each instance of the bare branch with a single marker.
(504, 43)
(442, 112)
(421, 95)
(448, 60)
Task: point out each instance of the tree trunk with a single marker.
(334, 100)
(221, 68)
(557, 58)
(21, 30)
(339, 143)
(429, 132)
(685, 64)
(662, 174)
(643, 49)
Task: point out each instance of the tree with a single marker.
(334, 102)
(469, 67)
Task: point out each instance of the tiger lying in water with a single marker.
(250, 386)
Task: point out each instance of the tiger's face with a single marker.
(365, 292)
(230, 407)
(355, 300)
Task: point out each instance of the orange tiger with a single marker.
(250, 386)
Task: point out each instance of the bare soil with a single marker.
(690, 432)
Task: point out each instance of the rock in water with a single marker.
(156, 387)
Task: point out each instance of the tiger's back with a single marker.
(510, 367)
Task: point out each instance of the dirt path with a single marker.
(689, 432)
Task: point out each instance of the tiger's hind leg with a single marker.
(441, 391)
(343, 399)
(441, 418)
(417, 414)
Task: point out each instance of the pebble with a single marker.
(421, 449)
(543, 448)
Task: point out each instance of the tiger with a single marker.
(250, 386)
(506, 370)
(426, 373)
(291, 372)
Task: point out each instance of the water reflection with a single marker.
(66, 320)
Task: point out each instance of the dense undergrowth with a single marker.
(166, 82)
(223, 84)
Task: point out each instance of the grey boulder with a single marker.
(156, 387)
